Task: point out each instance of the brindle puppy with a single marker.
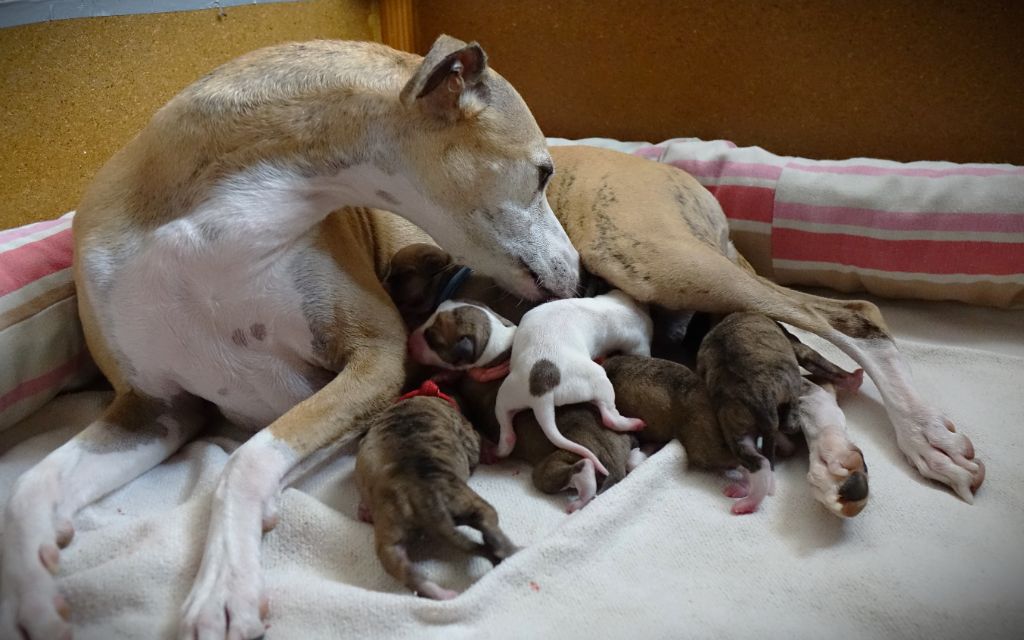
(411, 471)
(753, 379)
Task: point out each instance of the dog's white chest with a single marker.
(220, 324)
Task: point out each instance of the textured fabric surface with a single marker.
(924, 230)
(657, 556)
(41, 342)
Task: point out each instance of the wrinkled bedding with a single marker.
(657, 556)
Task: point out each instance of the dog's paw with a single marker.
(837, 473)
(932, 444)
(31, 607)
(226, 603)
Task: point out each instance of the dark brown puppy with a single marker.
(674, 403)
(419, 273)
(750, 367)
(411, 471)
(554, 469)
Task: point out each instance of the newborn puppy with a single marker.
(554, 470)
(411, 472)
(674, 403)
(552, 364)
(463, 335)
(750, 367)
(422, 276)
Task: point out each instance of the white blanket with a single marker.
(657, 556)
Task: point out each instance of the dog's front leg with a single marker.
(227, 599)
(837, 471)
(134, 434)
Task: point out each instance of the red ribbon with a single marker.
(430, 389)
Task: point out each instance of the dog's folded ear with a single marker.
(447, 83)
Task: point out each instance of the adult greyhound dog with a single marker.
(212, 274)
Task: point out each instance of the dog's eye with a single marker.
(544, 172)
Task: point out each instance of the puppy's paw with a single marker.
(837, 473)
(932, 444)
(434, 591)
(364, 514)
(584, 481)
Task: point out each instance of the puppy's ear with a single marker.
(434, 261)
(447, 84)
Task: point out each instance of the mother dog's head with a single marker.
(476, 153)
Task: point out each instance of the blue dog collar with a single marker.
(453, 285)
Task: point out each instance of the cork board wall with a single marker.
(72, 92)
(900, 79)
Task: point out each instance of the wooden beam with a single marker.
(398, 24)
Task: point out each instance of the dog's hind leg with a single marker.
(134, 434)
(694, 276)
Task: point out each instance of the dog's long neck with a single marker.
(272, 161)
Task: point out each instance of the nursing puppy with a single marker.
(554, 470)
(463, 335)
(753, 379)
(552, 364)
(419, 278)
(675, 404)
(411, 471)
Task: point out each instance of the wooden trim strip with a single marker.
(398, 24)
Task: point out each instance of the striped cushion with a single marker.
(930, 230)
(41, 339)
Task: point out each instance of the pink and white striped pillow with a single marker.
(930, 230)
(41, 339)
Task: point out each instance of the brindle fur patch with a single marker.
(258, 331)
(754, 382)
(411, 471)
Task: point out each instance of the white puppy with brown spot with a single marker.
(552, 364)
